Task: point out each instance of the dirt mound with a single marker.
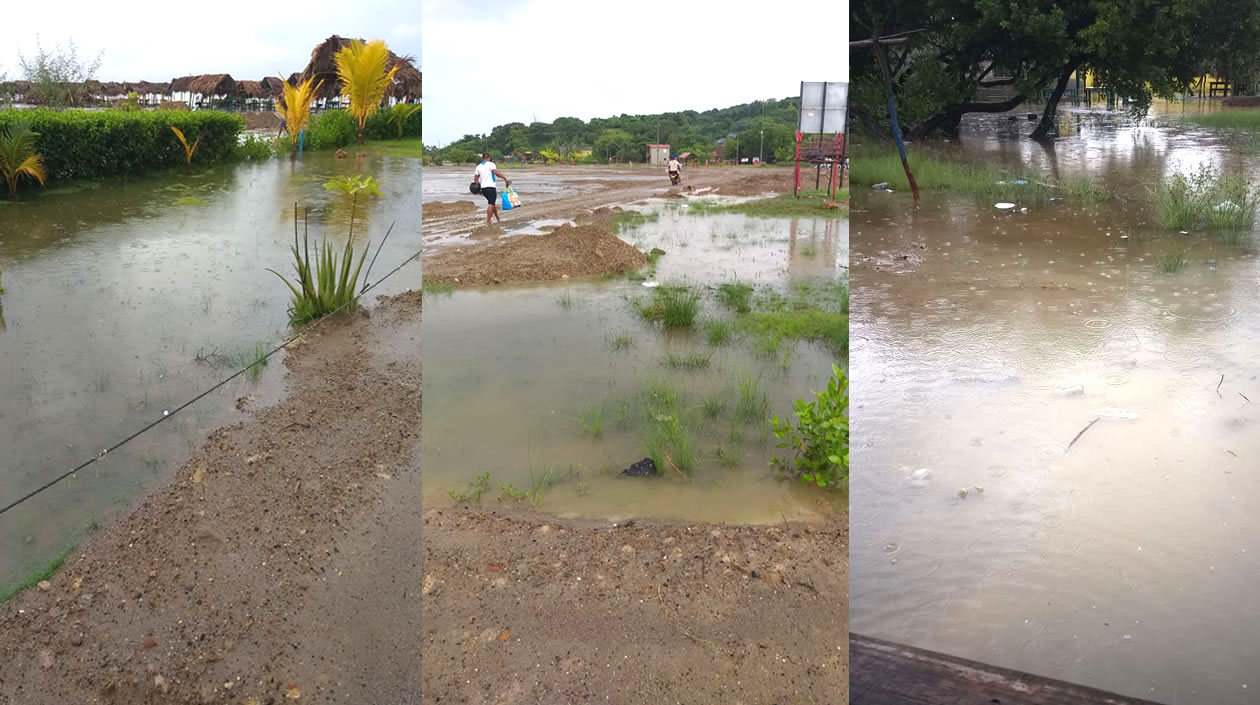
(262, 121)
(582, 251)
(438, 210)
(718, 605)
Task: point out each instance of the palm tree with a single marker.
(18, 156)
(296, 109)
(401, 114)
(364, 80)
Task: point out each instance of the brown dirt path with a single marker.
(447, 219)
(522, 609)
(280, 560)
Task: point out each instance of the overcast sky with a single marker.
(157, 41)
(499, 61)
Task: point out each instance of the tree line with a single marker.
(943, 51)
(763, 129)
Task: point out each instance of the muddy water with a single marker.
(510, 371)
(983, 345)
(126, 299)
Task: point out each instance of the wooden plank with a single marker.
(884, 673)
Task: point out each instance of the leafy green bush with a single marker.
(379, 127)
(255, 148)
(330, 129)
(79, 144)
(820, 439)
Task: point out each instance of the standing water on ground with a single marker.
(125, 299)
(1055, 439)
(542, 395)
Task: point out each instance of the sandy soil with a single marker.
(449, 218)
(525, 609)
(567, 253)
(279, 561)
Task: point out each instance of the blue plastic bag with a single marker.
(510, 199)
(504, 202)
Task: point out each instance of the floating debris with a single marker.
(1004, 206)
(643, 468)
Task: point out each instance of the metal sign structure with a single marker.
(824, 111)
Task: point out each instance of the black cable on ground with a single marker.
(171, 412)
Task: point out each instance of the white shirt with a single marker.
(485, 174)
(673, 165)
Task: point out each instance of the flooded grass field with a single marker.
(542, 395)
(124, 299)
(1055, 415)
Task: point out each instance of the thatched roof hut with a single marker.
(323, 66)
(209, 84)
(272, 85)
(251, 89)
(149, 87)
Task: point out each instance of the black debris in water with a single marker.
(643, 468)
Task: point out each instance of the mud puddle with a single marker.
(993, 521)
(552, 390)
(126, 299)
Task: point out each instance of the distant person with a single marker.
(284, 125)
(675, 170)
(485, 174)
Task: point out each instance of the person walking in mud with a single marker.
(485, 174)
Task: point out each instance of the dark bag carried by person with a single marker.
(474, 188)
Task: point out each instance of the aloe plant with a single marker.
(325, 285)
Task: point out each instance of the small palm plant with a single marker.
(401, 114)
(189, 150)
(18, 157)
(296, 108)
(364, 80)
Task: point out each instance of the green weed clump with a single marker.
(622, 340)
(717, 331)
(626, 220)
(819, 439)
(591, 419)
(675, 306)
(436, 288)
(1206, 197)
(690, 361)
(37, 576)
(771, 327)
(752, 404)
(1171, 259)
(811, 204)
(474, 490)
(736, 295)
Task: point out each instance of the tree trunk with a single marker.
(948, 119)
(360, 134)
(1047, 115)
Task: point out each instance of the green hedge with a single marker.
(83, 144)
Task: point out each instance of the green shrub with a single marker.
(379, 127)
(820, 438)
(255, 148)
(331, 129)
(79, 144)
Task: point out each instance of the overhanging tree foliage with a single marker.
(1137, 48)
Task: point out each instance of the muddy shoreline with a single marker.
(526, 608)
(276, 562)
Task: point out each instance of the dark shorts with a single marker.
(489, 193)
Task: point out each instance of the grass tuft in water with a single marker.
(933, 173)
(591, 419)
(675, 306)
(1171, 258)
(622, 340)
(717, 331)
(729, 457)
(736, 295)
(627, 220)
(246, 357)
(474, 490)
(712, 407)
(752, 405)
(566, 300)
(771, 327)
(690, 361)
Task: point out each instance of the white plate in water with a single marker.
(651, 285)
(1004, 206)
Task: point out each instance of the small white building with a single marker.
(658, 154)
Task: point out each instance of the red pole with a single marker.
(798, 164)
